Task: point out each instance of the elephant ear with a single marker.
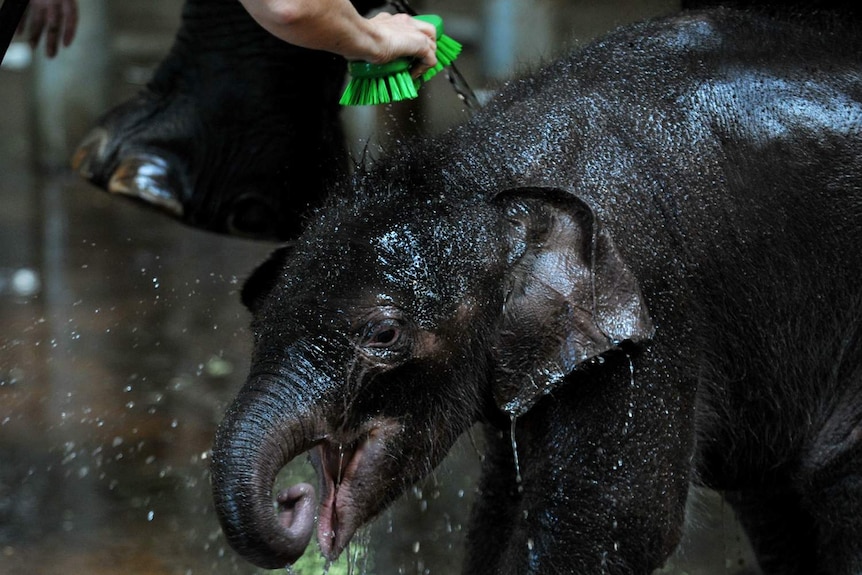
(569, 295)
(263, 279)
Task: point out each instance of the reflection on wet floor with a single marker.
(112, 378)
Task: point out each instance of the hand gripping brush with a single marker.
(372, 84)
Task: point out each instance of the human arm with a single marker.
(335, 26)
(57, 20)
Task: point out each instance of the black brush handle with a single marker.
(11, 13)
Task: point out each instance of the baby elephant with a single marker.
(644, 262)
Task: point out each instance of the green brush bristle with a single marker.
(372, 84)
(447, 50)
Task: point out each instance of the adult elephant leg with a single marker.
(237, 132)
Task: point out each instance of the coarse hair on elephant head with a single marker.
(390, 327)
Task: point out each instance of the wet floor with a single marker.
(122, 341)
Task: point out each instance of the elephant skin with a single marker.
(640, 265)
(237, 132)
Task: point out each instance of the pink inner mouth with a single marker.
(338, 519)
(350, 481)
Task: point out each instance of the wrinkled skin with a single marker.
(237, 132)
(647, 254)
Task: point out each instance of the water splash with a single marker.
(630, 414)
(462, 89)
(514, 421)
(359, 552)
(340, 464)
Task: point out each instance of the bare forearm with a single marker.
(331, 25)
(335, 26)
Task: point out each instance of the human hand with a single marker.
(56, 19)
(401, 35)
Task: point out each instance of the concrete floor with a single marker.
(123, 340)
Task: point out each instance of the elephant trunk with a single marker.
(263, 430)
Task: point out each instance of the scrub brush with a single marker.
(391, 82)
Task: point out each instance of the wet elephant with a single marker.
(237, 132)
(638, 268)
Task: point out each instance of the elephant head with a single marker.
(391, 326)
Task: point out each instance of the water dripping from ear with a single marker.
(475, 445)
(514, 420)
(631, 410)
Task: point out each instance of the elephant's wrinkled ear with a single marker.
(264, 277)
(569, 295)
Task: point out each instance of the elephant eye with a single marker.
(384, 334)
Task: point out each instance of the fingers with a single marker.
(404, 36)
(22, 25)
(427, 55)
(55, 20)
(70, 21)
(35, 23)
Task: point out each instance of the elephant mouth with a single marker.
(349, 472)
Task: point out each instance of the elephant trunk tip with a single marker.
(271, 536)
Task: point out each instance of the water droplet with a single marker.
(151, 515)
(25, 282)
(340, 464)
(515, 453)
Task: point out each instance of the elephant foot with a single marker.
(144, 176)
(236, 133)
